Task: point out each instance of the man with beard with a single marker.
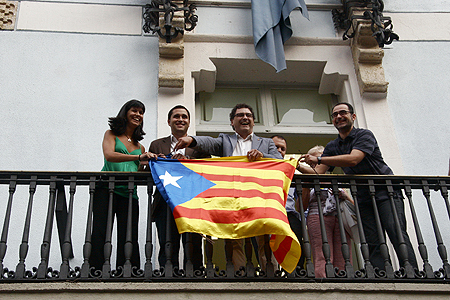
(242, 143)
(179, 121)
(356, 151)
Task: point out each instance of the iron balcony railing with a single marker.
(25, 198)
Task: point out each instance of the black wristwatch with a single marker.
(319, 160)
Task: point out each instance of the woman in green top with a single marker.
(123, 153)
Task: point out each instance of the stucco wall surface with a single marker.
(418, 98)
(58, 91)
(417, 6)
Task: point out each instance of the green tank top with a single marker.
(125, 166)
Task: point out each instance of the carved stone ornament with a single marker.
(170, 18)
(364, 23)
(8, 10)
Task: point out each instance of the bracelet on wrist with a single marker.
(139, 157)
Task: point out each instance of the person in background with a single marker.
(293, 215)
(122, 153)
(329, 209)
(178, 120)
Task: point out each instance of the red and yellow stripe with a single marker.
(248, 200)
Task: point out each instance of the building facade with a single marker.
(69, 65)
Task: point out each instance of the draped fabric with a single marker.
(231, 198)
(272, 28)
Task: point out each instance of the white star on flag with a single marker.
(169, 179)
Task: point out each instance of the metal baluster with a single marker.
(444, 193)
(329, 269)
(12, 189)
(383, 246)
(268, 253)
(107, 247)
(422, 247)
(128, 244)
(349, 272)
(87, 247)
(189, 248)
(209, 249)
(45, 247)
(168, 268)
(306, 245)
(67, 245)
(441, 247)
(23, 249)
(403, 250)
(148, 268)
(248, 254)
(364, 246)
(229, 258)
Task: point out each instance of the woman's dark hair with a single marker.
(118, 124)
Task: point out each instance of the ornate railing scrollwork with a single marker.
(167, 9)
(365, 10)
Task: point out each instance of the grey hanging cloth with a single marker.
(272, 28)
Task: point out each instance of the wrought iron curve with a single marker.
(167, 9)
(381, 26)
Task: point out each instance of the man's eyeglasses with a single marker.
(241, 115)
(337, 113)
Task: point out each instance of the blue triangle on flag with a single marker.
(177, 183)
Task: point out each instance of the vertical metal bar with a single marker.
(344, 245)
(364, 246)
(67, 245)
(403, 250)
(23, 249)
(422, 247)
(168, 268)
(229, 258)
(383, 247)
(248, 254)
(268, 253)
(440, 244)
(329, 269)
(128, 244)
(61, 215)
(209, 249)
(148, 268)
(306, 244)
(45, 247)
(189, 253)
(87, 247)
(107, 247)
(4, 238)
(444, 193)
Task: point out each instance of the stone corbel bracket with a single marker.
(8, 10)
(171, 55)
(368, 58)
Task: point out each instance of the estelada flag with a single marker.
(231, 198)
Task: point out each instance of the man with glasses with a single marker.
(356, 151)
(242, 143)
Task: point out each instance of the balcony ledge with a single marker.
(258, 290)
